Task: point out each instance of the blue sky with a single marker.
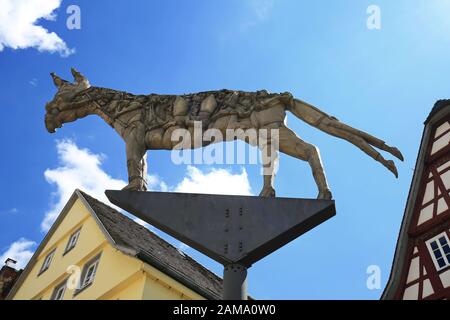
(382, 81)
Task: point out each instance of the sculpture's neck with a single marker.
(102, 100)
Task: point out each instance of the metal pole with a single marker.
(235, 282)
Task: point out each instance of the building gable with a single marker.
(126, 250)
(35, 280)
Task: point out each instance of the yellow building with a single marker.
(94, 252)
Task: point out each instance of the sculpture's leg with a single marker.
(326, 123)
(292, 145)
(269, 154)
(137, 169)
(365, 136)
(364, 146)
(136, 163)
(268, 189)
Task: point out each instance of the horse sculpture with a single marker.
(147, 122)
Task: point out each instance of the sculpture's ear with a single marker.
(80, 79)
(57, 80)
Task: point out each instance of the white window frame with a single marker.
(73, 240)
(88, 279)
(61, 287)
(47, 261)
(431, 251)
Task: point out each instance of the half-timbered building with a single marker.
(421, 267)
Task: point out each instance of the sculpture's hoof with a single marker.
(267, 193)
(130, 188)
(325, 195)
(391, 166)
(135, 186)
(396, 153)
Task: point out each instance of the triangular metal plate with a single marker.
(228, 229)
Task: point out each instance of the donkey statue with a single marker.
(147, 122)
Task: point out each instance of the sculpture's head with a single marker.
(68, 104)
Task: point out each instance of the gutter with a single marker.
(168, 270)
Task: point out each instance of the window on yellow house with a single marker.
(72, 241)
(59, 291)
(47, 261)
(89, 272)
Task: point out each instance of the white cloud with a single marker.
(154, 183)
(33, 82)
(260, 11)
(80, 169)
(261, 8)
(9, 211)
(19, 29)
(21, 251)
(215, 181)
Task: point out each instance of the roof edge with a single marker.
(75, 195)
(97, 219)
(438, 106)
(166, 269)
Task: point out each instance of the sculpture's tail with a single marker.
(364, 141)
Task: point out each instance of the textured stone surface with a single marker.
(147, 122)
